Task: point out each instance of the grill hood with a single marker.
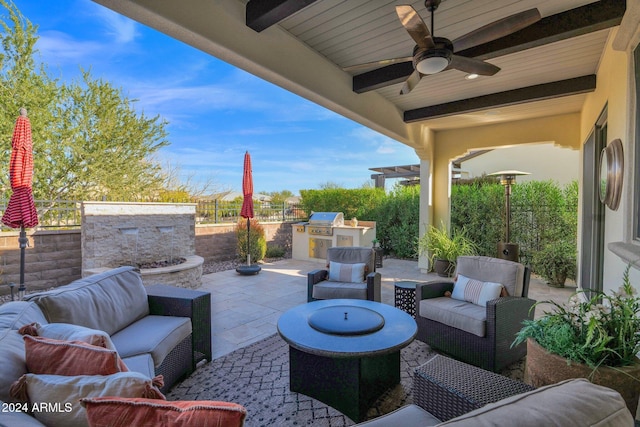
(327, 219)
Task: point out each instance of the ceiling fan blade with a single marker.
(380, 63)
(410, 83)
(471, 65)
(497, 29)
(415, 26)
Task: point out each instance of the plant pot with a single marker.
(544, 368)
(443, 267)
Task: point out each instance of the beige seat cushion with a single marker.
(406, 416)
(161, 334)
(571, 403)
(458, 314)
(333, 290)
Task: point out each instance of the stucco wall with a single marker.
(615, 91)
(543, 161)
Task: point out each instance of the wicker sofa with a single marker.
(115, 302)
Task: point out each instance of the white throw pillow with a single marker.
(346, 272)
(475, 291)
(56, 398)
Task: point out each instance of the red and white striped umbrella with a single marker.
(21, 210)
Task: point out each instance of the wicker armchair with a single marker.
(319, 285)
(442, 322)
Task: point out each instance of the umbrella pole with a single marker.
(23, 241)
(248, 231)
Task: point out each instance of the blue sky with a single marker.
(215, 111)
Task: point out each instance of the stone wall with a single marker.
(115, 233)
(217, 242)
(53, 258)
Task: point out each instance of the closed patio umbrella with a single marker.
(247, 212)
(21, 210)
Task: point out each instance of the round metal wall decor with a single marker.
(611, 173)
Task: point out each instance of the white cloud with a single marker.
(117, 26)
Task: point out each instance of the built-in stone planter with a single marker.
(185, 275)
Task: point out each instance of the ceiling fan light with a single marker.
(433, 61)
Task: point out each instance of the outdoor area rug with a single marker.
(257, 377)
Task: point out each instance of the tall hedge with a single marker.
(397, 222)
(479, 208)
(541, 212)
(358, 202)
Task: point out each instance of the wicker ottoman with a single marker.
(448, 388)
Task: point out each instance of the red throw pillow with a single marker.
(139, 412)
(70, 358)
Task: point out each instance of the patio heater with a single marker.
(507, 250)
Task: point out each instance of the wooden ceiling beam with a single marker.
(261, 14)
(539, 92)
(561, 26)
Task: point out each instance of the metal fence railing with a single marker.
(60, 214)
(215, 212)
(64, 214)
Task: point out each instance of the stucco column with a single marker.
(426, 154)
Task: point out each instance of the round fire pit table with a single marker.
(345, 352)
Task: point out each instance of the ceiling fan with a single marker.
(434, 54)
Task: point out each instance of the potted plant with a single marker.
(556, 262)
(595, 338)
(443, 249)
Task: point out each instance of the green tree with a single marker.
(89, 142)
(279, 197)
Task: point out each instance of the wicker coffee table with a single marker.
(448, 388)
(345, 352)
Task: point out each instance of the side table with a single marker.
(405, 296)
(196, 305)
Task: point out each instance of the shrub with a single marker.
(257, 240)
(397, 218)
(275, 251)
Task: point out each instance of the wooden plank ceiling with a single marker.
(546, 68)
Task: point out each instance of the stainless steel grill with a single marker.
(322, 223)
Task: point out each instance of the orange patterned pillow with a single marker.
(70, 358)
(140, 412)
